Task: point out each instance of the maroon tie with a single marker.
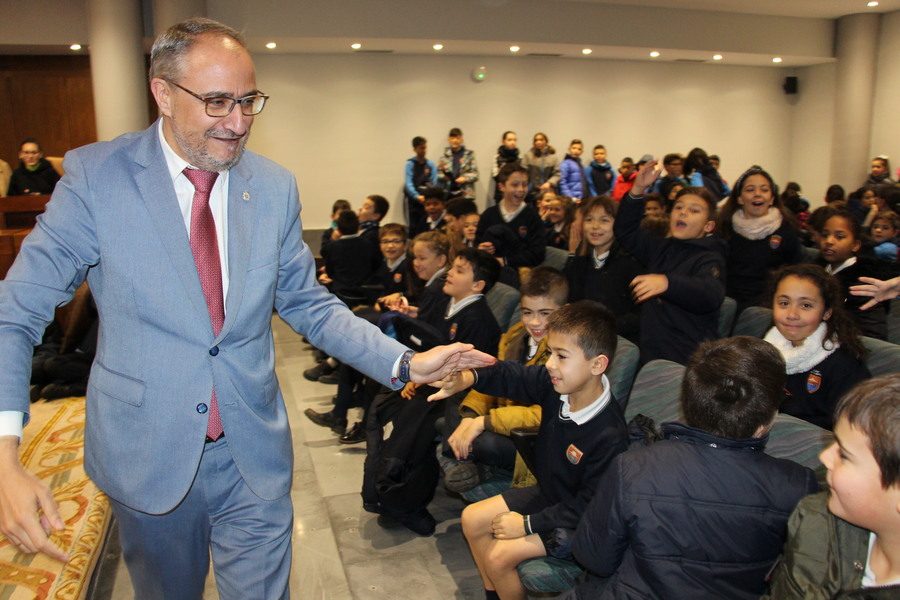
(205, 248)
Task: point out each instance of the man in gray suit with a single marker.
(187, 242)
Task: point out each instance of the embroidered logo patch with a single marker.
(813, 382)
(774, 242)
(523, 230)
(574, 454)
(398, 277)
(715, 272)
(453, 329)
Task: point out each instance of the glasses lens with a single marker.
(219, 107)
(252, 105)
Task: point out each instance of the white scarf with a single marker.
(802, 358)
(756, 228)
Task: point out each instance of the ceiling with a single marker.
(817, 9)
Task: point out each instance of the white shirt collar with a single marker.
(588, 412)
(532, 347)
(834, 270)
(599, 261)
(435, 276)
(454, 306)
(869, 580)
(431, 221)
(507, 216)
(392, 266)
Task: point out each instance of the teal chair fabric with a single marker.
(503, 300)
(754, 321)
(884, 357)
(726, 316)
(555, 257)
(623, 369)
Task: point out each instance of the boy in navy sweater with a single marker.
(348, 261)
(702, 513)
(685, 281)
(582, 429)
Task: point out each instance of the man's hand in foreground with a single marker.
(439, 362)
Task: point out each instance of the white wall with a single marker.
(885, 122)
(343, 124)
(812, 131)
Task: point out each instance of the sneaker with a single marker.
(55, 391)
(323, 368)
(466, 476)
(327, 419)
(355, 435)
(330, 378)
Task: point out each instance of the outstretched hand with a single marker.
(28, 512)
(647, 175)
(439, 362)
(453, 383)
(877, 289)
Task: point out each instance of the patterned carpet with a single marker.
(53, 449)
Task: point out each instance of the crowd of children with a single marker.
(652, 266)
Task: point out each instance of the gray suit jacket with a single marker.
(114, 219)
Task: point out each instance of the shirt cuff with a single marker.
(11, 423)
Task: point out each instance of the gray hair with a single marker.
(170, 48)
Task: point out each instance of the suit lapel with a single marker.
(241, 220)
(154, 182)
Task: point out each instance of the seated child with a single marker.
(470, 229)
(337, 208)
(685, 281)
(848, 537)
(654, 205)
(511, 230)
(391, 273)
(454, 218)
(599, 269)
(600, 175)
(477, 435)
(348, 261)
(818, 340)
(401, 473)
(673, 163)
(700, 514)
(884, 230)
(559, 218)
(373, 210)
(582, 429)
(840, 242)
(433, 219)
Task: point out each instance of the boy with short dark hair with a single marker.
(512, 230)
(458, 169)
(845, 542)
(477, 434)
(600, 175)
(329, 235)
(434, 212)
(673, 163)
(582, 429)
(458, 211)
(348, 261)
(373, 209)
(419, 174)
(700, 514)
(627, 172)
(685, 281)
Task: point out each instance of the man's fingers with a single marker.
(868, 304)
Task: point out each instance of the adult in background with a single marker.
(542, 164)
(35, 174)
(187, 242)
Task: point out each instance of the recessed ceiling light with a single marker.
(75, 47)
(271, 45)
(873, 3)
(717, 57)
(777, 59)
(356, 46)
(586, 51)
(514, 48)
(654, 54)
(438, 46)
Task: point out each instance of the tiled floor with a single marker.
(340, 551)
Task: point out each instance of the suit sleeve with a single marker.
(52, 263)
(311, 310)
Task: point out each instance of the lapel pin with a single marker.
(246, 195)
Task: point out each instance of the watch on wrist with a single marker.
(403, 374)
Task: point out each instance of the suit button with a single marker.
(214, 351)
(202, 408)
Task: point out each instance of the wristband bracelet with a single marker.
(475, 375)
(528, 530)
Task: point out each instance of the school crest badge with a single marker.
(774, 242)
(398, 277)
(813, 382)
(574, 454)
(523, 230)
(453, 329)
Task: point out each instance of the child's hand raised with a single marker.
(576, 233)
(644, 287)
(453, 383)
(647, 175)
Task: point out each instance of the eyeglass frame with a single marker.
(234, 101)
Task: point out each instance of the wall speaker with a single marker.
(790, 85)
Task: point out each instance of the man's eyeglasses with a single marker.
(221, 106)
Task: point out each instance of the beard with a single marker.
(196, 148)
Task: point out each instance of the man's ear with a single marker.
(163, 95)
(599, 364)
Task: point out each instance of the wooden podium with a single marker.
(17, 218)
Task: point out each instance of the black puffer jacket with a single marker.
(692, 516)
(40, 181)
